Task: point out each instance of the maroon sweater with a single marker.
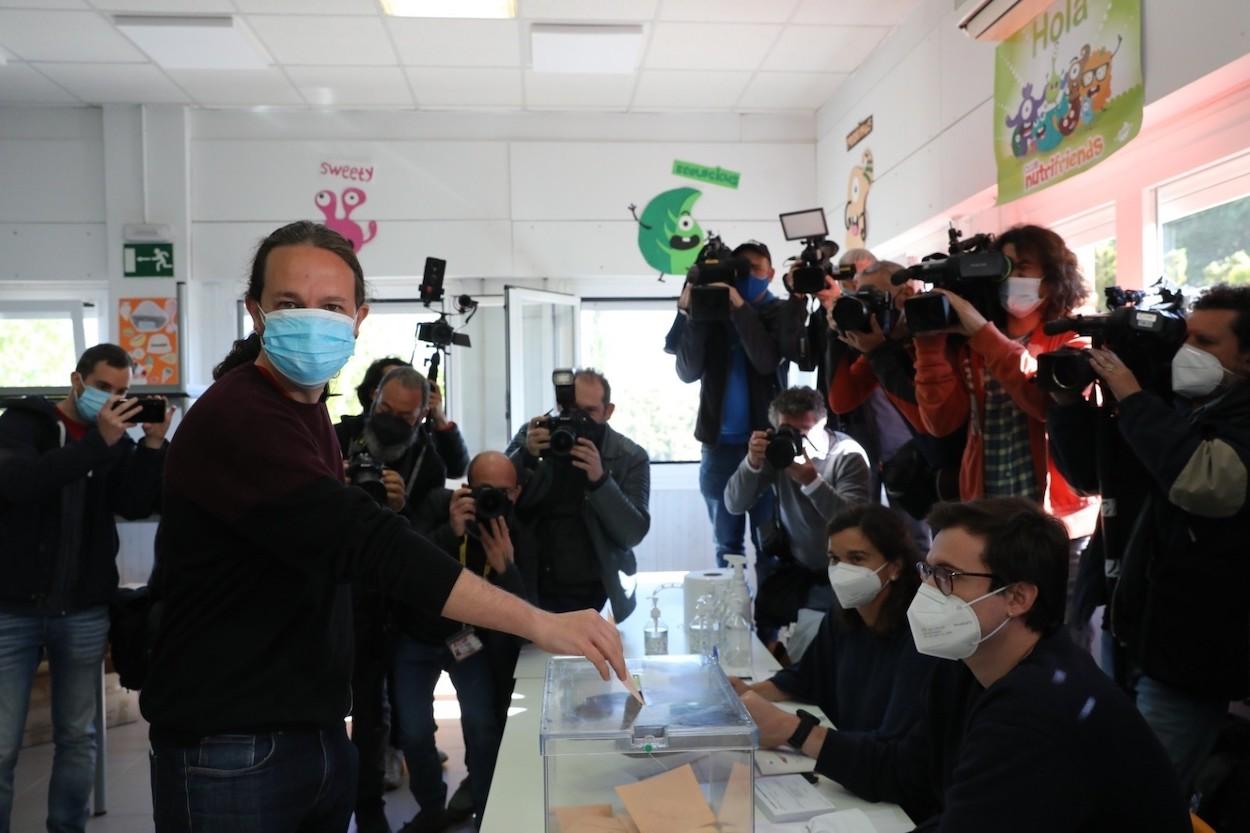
(258, 544)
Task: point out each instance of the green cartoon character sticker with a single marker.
(669, 238)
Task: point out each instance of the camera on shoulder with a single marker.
(714, 264)
(1145, 331)
(971, 269)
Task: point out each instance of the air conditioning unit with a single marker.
(997, 20)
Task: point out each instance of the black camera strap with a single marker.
(416, 469)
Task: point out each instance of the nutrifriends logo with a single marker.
(1039, 172)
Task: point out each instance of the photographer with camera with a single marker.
(740, 365)
(66, 470)
(1178, 605)
(808, 493)
(259, 544)
(476, 525)
(397, 455)
(586, 495)
(977, 376)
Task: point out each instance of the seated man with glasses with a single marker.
(1020, 731)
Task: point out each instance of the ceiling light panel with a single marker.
(193, 41)
(585, 49)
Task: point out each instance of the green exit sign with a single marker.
(148, 260)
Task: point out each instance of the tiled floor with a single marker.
(129, 791)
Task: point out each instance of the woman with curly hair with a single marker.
(985, 381)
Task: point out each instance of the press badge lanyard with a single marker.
(465, 642)
(464, 556)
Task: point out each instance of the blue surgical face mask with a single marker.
(89, 403)
(308, 346)
(753, 287)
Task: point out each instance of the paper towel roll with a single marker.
(698, 582)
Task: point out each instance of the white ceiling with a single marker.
(719, 55)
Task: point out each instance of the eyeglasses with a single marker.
(944, 577)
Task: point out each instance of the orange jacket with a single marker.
(948, 399)
(851, 386)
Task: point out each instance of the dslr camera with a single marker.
(853, 312)
(571, 423)
(715, 263)
(970, 269)
(784, 444)
(1145, 331)
(366, 472)
(818, 251)
(490, 503)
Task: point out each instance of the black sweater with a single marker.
(863, 681)
(256, 549)
(1052, 747)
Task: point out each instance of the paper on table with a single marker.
(783, 762)
(844, 821)
(790, 798)
(668, 803)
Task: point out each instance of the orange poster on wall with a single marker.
(147, 329)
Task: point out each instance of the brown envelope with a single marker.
(668, 803)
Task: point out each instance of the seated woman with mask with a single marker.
(863, 670)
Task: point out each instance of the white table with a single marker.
(516, 795)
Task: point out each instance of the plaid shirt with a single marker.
(1009, 468)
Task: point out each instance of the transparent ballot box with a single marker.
(682, 762)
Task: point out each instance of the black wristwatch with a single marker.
(807, 722)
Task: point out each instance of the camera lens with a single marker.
(785, 445)
(562, 441)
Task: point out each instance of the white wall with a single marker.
(52, 209)
(930, 92)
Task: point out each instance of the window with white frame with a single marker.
(625, 341)
(1091, 237)
(41, 340)
(1204, 225)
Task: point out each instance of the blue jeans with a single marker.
(301, 781)
(75, 644)
(415, 673)
(718, 464)
(1186, 724)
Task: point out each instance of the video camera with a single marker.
(818, 251)
(1145, 331)
(571, 423)
(715, 263)
(441, 334)
(970, 269)
(853, 311)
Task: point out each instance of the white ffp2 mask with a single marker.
(946, 626)
(854, 586)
